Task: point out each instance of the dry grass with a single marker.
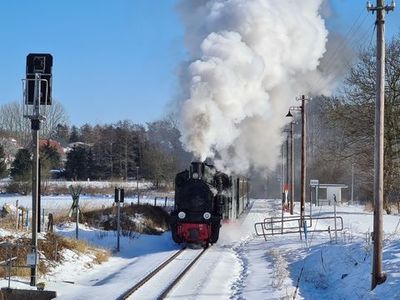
(80, 246)
(154, 220)
(101, 256)
(369, 207)
(50, 248)
(61, 217)
(8, 222)
(392, 208)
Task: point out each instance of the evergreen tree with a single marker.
(3, 167)
(76, 166)
(61, 134)
(86, 134)
(21, 169)
(92, 171)
(74, 136)
(49, 156)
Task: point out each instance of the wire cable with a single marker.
(352, 38)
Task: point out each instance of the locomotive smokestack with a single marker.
(196, 170)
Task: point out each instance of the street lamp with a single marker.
(290, 163)
(302, 108)
(137, 184)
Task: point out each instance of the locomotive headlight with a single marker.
(195, 175)
(207, 216)
(181, 215)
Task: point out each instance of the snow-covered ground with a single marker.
(242, 265)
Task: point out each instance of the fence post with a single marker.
(16, 205)
(22, 219)
(334, 208)
(155, 201)
(27, 219)
(330, 236)
(272, 226)
(301, 237)
(165, 203)
(50, 223)
(283, 206)
(305, 230)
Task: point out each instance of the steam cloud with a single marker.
(250, 60)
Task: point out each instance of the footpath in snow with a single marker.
(320, 268)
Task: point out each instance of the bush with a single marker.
(146, 219)
(50, 248)
(20, 187)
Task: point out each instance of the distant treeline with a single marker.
(122, 151)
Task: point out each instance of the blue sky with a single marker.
(113, 60)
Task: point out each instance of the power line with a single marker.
(347, 61)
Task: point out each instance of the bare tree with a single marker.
(349, 119)
(13, 124)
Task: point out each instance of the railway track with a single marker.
(159, 283)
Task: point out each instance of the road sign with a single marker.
(314, 182)
(31, 259)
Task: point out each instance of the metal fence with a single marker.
(293, 224)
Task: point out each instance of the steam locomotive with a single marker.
(200, 196)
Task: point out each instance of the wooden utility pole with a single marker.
(302, 109)
(352, 183)
(303, 158)
(291, 168)
(378, 276)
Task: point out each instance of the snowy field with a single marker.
(242, 265)
(62, 203)
(93, 184)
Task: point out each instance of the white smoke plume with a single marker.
(250, 60)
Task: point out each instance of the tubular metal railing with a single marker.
(292, 224)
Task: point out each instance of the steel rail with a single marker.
(180, 276)
(133, 289)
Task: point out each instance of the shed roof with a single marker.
(334, 185)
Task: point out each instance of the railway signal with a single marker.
(119, 196)
(39, 73)
(37, 95)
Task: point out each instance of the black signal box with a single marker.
(39, 63)
(119, 195)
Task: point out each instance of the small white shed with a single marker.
(329, 190)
